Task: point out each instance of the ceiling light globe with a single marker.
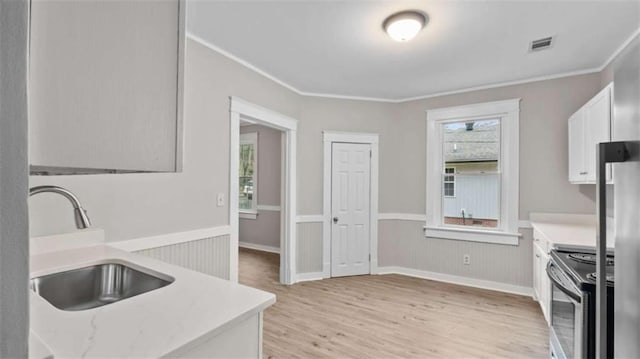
(405, 25)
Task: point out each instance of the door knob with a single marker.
(335, 219)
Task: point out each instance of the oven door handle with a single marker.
(551, 269)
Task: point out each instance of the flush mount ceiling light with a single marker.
(405, 25)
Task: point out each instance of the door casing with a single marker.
(242, 109)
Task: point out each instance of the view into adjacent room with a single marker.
(259, 202)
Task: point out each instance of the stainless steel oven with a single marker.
(569, 325)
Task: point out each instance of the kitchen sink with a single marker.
(96, 285)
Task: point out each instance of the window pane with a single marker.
(246, 176)
(471, 173)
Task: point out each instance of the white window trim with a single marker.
(454, 181)
(509, 113)
(251, 138)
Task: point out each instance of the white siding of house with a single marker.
(477, 194)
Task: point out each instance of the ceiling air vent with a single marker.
(541, 44)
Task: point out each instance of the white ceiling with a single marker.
(339, 47)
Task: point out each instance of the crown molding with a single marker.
(256, 69)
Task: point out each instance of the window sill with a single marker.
(473, 235)
(248, 214)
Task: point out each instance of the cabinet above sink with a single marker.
(105, 86)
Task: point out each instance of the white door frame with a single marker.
(329, 137)
(241, 109)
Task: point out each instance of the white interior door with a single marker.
(350, 209)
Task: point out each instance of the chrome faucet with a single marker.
(80, 215)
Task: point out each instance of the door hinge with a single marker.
(369, 257)
(370, 153)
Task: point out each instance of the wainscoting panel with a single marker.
(207, 255)
(309, 253)
(402, 244)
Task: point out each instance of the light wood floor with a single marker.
(389, 316)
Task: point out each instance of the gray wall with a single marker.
(14, 230)
(139, 205)
(130, 206)
(545, 108)
(265, 229)
(319, 114)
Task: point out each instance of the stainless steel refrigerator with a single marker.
(624, 153)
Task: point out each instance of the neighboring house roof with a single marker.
(481, 144)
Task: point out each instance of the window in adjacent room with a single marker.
(449, 182)
(472, 172)
(248, 173)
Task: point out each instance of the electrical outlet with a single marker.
(220, 199)
(466, 259)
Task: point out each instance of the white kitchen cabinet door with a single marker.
(545, 288)
(597, 129)
(536, 273)
(541, 283)
(589, 126)
(105, 86)
(576, 148)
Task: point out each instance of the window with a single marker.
(449, 182)
(248, 173)
(472, 172)
(474, 148)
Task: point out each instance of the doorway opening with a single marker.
(262, 182)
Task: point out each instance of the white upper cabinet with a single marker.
(105, 86)
(577, 172)
(589, 126)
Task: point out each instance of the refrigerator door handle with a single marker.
(607, 152)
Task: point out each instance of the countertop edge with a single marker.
(194, 343)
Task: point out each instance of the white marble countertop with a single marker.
(192, 309)
(568, 231)
(37, 349)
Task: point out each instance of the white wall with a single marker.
(264, 230)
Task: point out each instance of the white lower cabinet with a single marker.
(243, 340)
(541, 283)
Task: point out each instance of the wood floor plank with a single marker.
(392, 316)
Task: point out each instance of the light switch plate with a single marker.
(220, 199)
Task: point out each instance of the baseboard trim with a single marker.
(307, 277)
(259, 247)
(168, 239)
(454, 279)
